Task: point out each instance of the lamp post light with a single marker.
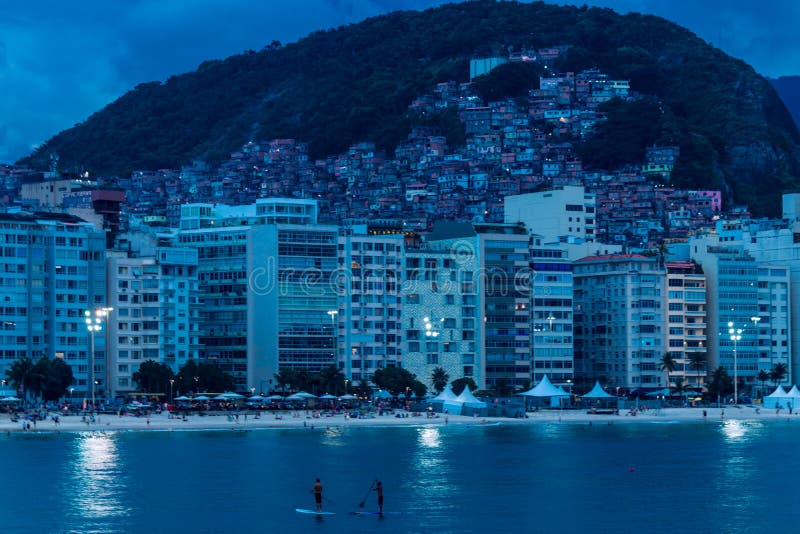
(252, 390)
(171, 382)
(550, 319)
(755, 319)
(93, 324)
(736, 336)
(346, 381)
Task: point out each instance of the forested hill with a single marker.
(354, 83)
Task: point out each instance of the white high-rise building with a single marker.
(687, 323)
(52, 273)
(620, 320)
(267, 285)
(748, 293)
(559, 214)
(551, 313)
(368, 316)
(156, 313)
(442, 309)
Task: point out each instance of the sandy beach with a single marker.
(163, 422)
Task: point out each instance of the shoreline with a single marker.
(269, 421)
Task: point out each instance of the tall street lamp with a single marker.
(171, 382)
(93, 324)
(736, 336)
(755, 319)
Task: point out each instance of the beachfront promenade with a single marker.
(301, 420)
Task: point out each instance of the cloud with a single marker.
(61, 61)
(763, 34)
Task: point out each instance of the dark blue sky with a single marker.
(60, 61)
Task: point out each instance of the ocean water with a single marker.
(705, 477)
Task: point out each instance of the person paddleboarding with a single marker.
(317, 491)
(379, 488)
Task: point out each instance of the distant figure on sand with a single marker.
(317, 491)
(379, 488)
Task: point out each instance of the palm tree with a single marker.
(667, 364)
(439, 379)
(720, 384)
(697, 361)
(778, 373)
(680, 388)
(762, 377)
(21, 374)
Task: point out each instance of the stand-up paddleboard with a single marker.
(312, 512)
(376, 513)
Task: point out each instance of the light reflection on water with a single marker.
(720, 476)
(431, 470)
(96, 478)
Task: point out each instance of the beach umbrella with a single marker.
(382, 394)
(328, 396)
(202, 398)
(10, 399)
(230, 395)
(347, 397)
(275, 397)
(182, 398)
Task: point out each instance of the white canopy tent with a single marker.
(597, 392)
(446, 395)
(545, 388)
(599, 396)
(464, 404)
(793, 398)
(776, 399)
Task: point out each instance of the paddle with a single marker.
(364, 500)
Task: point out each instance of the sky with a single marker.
(62, 61)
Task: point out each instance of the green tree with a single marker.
(395, 380)
(332, 380)
(153, 377)
(53, 377)
(439, 379)
(459, 384)
(679, 388)
(721, 384)
(197, 377)
(419, 389)
(20, 375)
(667, 364)
(285, 378)
(778, 373)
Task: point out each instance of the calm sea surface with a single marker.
(713, 477)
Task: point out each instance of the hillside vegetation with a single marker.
(354, 83)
